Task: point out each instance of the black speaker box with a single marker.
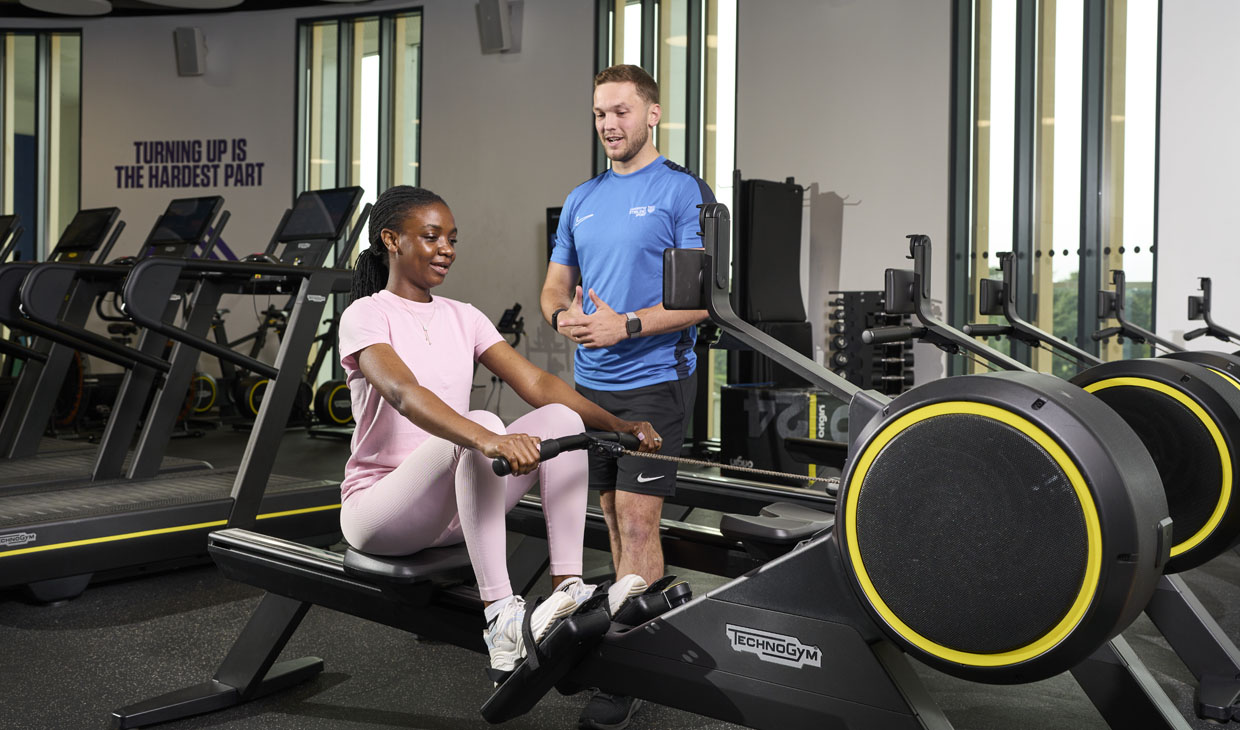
(756, 420)
(749, 367)
(767, 284)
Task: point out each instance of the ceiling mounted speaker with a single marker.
(196, 4)
(191, 51)
(70, 7)
(494, 25)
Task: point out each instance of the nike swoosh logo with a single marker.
(581, 220)
(641, 479)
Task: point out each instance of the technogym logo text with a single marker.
(773, 648)
(14, 539)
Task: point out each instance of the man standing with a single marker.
(635, 358)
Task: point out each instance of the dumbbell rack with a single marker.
(887, 368)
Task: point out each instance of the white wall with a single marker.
(1199, 152)
(504, 136)
(853, 95)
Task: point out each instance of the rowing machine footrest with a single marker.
(662, 596)
(425, 565)
(793, 511)
(776, 531)
(562, 649)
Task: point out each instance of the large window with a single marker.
(360, 94)
(359, 98)
(1055, 107)
(689, 47)
(40, 133)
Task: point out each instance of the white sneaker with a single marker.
(503, 633)
(624, 589)
(619, 591)
(577, 589)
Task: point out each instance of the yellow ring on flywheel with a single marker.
(1224, 497)
(211, 383)
(1230, 378)
(250, 396)
(331, 398)
(1093, 534)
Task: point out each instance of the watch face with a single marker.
(633, 326)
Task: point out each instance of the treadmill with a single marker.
(90, 232)
(54, 542)
(178, 231)
(10, 233)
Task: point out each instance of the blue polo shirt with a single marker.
(614, 228)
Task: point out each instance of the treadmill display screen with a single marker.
(185, 221)
(320, 215)
(87, 230)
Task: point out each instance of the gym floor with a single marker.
(68, 666)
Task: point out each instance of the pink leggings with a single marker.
(442, 493)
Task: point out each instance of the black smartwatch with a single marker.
(555, 316)
(633, 325)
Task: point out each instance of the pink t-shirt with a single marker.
(442, 359)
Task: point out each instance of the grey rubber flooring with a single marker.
(68, 666)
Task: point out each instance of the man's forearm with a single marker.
(549, 301)
(656, 320)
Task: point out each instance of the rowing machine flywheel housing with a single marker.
(1001, 527)
(1187, 417)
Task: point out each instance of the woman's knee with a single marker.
(487, 420)
(557, 419)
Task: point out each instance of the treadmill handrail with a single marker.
(13, 349)
(350, 243)
(45, 311)
(15, 233)
(102, 256)
(135, 307)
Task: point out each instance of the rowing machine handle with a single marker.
(883, 335)
(550, 448)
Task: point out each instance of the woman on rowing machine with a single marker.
(420, 472)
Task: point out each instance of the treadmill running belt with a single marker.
(72, 465)
(48, 445)
(115, 497)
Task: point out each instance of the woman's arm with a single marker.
(539, 388)
(396, 384)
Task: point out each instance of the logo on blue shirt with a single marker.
(641, 210)
(582, 219)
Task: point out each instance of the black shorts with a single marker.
(667, 406)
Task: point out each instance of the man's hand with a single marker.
(603, 328)
(648, 438)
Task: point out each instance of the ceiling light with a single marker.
(70, 7)
(195, 4)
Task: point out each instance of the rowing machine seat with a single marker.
(430, 564)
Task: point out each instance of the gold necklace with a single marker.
(426, 332)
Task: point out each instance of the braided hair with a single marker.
(370, 273)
